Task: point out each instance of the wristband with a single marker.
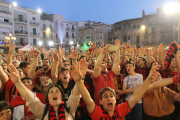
(176, 79)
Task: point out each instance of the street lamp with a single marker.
(51, 43)
(71, 42)
(10, 37)
(40, 43)
(39, 10)
(174, 9)
(14, 4)
(143, 26)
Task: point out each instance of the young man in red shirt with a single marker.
(101, 76)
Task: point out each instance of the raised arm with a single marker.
(11, 50)
(117, 58)
(138, 94)
(97, 70)
(78, 73)
(123, 54)
(3, 76)
(148, 58)
(27, 94)
(160, 56)
(54, 70)
(60, 57)
(34, 63)
(177, 60)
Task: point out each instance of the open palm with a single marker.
(78, 72)
(14, 75)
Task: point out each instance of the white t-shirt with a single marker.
(131, 82)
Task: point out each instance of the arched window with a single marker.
(116, 28)
(134, 26)
(127, 26)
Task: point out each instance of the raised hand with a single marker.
(11, 46)
(34, 52)
(106, 49)
(117, 43)
(102, 45)
(55, 55)
(154, 69)
(78, 72)
(74, 55)
(39, 72)
(161, 49)
(14, 75)
(93, 45)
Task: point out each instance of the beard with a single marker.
(45, 68)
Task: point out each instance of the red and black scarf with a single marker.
(169, 55)
(61, 113)
(107, 116)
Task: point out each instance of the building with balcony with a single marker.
(47, 34)
(64, 30)
(92, 31)
(157, 28)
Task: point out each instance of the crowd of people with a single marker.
(112, 82)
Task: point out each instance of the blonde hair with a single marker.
(41, 82)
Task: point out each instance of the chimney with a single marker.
(143, 13)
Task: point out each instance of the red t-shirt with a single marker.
(120, 111)
(11, 90)
(21, 111)
(102, 81)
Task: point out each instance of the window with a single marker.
(34, 41)
(146, 21)
(72, 27)
(67, 34)
(50, 26)
(169, 38)
(88, 38)
(66, 25)
(137, 39)
(163, 39)
(34, 20)
(100, 36)
(153, 30)
(34, 31)
(146, 30)
(20, 18)
(56, 22)
(72, 35)
(153, 21)
(97, 36)
(6, 20)
(134, 26)
(44, 34)
(100, 29)
(21, 41)
(127, 26)
(116, 28)
(20, 29)
(44, 26)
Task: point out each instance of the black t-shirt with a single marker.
(67, 91)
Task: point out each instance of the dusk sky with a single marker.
(106, 11)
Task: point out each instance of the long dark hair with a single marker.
(4, 106)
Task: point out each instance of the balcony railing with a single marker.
(8, 23)
(67, 28)
(35, 34)
(73, 29)
(34, 23)
(5, 33)
(67, 36)
(6, 12)
(73, 36)
(20, 20)
(21, 43)
(98, 31)
(21, 32)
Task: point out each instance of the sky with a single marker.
(106, 11)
